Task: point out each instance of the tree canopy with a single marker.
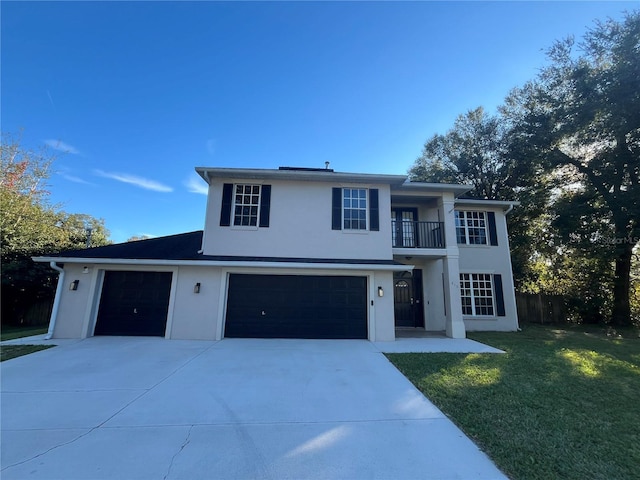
(30, 225)
(567, 145)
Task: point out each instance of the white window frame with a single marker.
(471, 283)
(242, 205)
(466, 222)
(356, 208)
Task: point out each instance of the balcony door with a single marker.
(403, 222)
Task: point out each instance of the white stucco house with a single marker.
(301, 253)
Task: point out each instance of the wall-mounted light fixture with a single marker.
(74, 285)
(85, 269)
(380, 292)
(196, 288)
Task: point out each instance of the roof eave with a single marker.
(209, 173)
(225, 263)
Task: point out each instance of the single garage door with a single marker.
(296, 306)
(134, 303)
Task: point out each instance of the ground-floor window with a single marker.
(476, 290)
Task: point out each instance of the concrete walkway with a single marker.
(116, 408)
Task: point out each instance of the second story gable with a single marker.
(298, 213)
(322, 214)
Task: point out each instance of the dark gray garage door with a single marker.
(134, 303)
(296, 306)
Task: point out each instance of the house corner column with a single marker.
(451, 269)
(455, 324)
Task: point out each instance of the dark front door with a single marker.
(407, 297)
(296, 306)
(134, 303)
(404, 226)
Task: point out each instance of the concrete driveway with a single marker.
(128, 408)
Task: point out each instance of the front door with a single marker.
(404, 226)
(407, 296)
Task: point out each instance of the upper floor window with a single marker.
(246, 203)
(354, 214)
(355, 209)
(471, 227)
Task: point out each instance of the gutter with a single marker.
(228, 264)
(56, 301)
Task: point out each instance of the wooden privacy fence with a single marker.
(540, 308)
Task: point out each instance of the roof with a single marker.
(185, 248)
(472, 202)
(300, 174)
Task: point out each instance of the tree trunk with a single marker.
(621, 314)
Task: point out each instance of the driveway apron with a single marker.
(149, 408)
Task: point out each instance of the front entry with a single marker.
(407, 297)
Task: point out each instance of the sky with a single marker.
(132, 96)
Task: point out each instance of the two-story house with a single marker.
(301, 253)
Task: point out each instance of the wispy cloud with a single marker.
(135, 180)
(195, 184)
(62, 147)
(73, 178)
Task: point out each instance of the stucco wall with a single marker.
(73, 303)
(435, 318)
(300, 225)
(492, 260)
(195, 315)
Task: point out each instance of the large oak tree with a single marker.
(580, 119)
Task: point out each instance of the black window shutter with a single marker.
(227, 201)
(374, 211)
(497, 283)
(493, 234)
(265, 205)
(336, 209)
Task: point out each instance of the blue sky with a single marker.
(133, 95)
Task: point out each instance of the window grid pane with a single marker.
(354, 212)
(246, 203)
(471, 228)
(476, 292)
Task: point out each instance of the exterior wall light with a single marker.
(196, 288)
(74, 285)
(380, 292)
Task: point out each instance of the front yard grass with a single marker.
(561, 403)
(11, 333)
(7, 352)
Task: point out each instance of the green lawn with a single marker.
(564, 402)
(7, 352)
(10, 333)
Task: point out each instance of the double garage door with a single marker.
(258, 306)
(296, 306)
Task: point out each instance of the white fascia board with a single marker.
(214, 263)
(504, 204)
(457, 188)
(208, 173)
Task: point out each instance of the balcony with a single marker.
(410, 234)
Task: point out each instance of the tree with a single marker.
(581, 116)
(30, 226)
(477, 151)
(473, 152)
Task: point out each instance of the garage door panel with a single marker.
(134, 303)
(296, 306)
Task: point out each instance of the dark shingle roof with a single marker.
(185, 246)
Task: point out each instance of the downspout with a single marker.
(56, 300)
(508, 210)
